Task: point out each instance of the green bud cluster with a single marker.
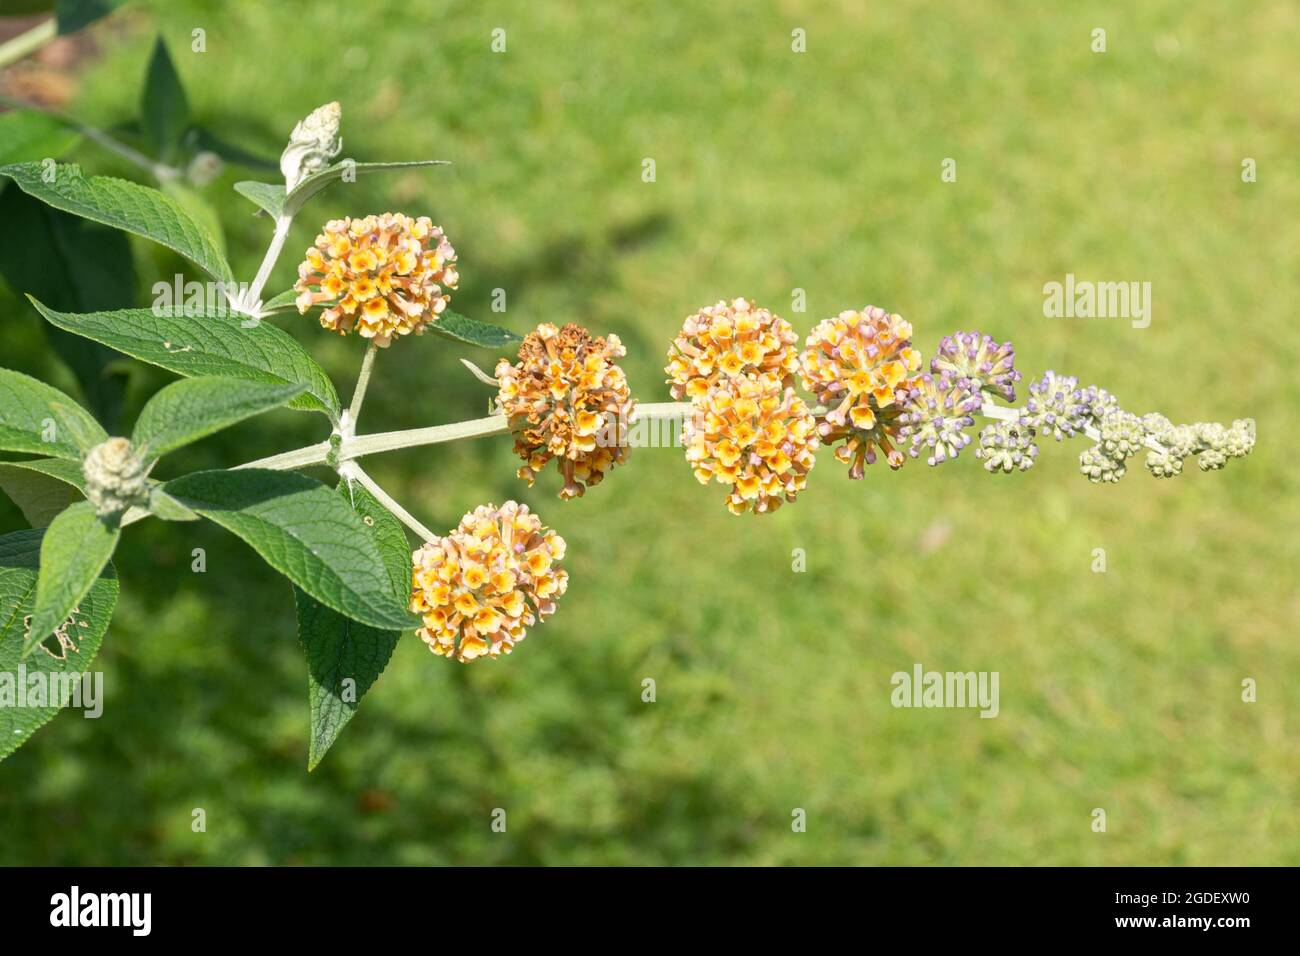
(1007, 446)
(115, 477)
(1058, 407)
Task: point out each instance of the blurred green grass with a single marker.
(775, 171)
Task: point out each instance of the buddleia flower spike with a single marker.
(753, 434)
(481, 587)
(861, 366)
(747, 428)
(567, 399)
(381, 276)
(727, 340)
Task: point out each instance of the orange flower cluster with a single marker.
(567, 399)
(860, 366)
(381, 275)
(480, 588)
(729, 340)
(755, 435)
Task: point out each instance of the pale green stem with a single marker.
(160, 171)
(363, 380)
(278, 238)
(657, 411)
(315, 454)
(362, 445)
(1001, 413)
(1006, 414)
(11, 51)
(352, 472)
(415, 437)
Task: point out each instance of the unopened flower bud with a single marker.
(1007, 446)
(1098, 466)
(1164, 465)
(937, 410)
(1240, 440)
(975, 356)
(1099, 402)
(1057, 406)
(204, 168)
(313, 143)
(115, 477)
(1121, 434)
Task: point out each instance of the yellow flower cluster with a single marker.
(480, 588)
(567, 399)
(860, 365)
(381, 275)
(727, 340)
(752, 433)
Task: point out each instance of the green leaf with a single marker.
(124, 205)
(340, 650)
(29, 136)
(28, 419)
(267, 196)
(197, 205)
(272, 199)
(193, 408)
(454, 326)
(19, 560)
(167, 508)
(286, 300)
(75, 549)
(42, 488)
(306, 532)
(75, 14)
(207, 344)
(163, 106)
(77, 424)
(77, 266)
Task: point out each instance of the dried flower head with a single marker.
(756, 435)
(729, 340)
(859, 365)
(480, 588)
(382, 275)
(567, 399)
(115, 477)
(975, 356)
(937, 410)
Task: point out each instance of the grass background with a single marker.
(775, 171)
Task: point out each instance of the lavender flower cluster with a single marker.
(971, 368)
